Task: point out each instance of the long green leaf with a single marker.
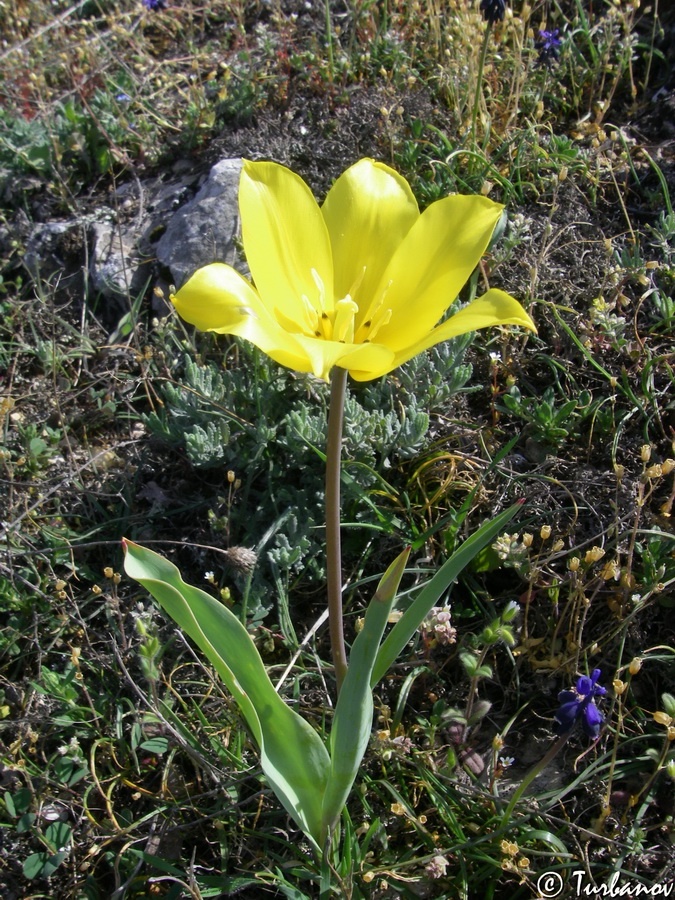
(293, 756)
(428, 597)
(353, 721)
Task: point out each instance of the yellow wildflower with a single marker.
(360, 283)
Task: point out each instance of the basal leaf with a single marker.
(293, 756)
(353, 721)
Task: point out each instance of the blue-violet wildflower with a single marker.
(548, 45)
(578, 705)
(154, 4)
(493, 10)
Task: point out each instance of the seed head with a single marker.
(662, 718)
(594, 554)
(242, 559)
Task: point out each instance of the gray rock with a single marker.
(116, 268)
(115, 248)
(204, 229)
(46, 247)
(123, 253)
(53, 256)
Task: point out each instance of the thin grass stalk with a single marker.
(329, 41)
(338, 387)
(550, 754)
(618, 731)
(479, 81)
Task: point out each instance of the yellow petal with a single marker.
(433, 263)
(495, 307)
(373, 366)
(217, 298)
(285, 238)
(360, 360)
(368, 211)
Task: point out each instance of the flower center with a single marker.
(339, 323)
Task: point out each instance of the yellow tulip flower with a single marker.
(361, 282)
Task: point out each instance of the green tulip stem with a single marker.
(338, 388)
(538, 767)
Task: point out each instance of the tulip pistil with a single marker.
(343, 324)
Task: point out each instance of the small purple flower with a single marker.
(579, 705)
(493, 10)
(154, 4)
(122, 97)
(548, 45)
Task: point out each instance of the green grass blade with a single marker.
(353, 722)
(293, 756)
(428, 597)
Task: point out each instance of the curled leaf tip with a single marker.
(127, 545)
(386, 589)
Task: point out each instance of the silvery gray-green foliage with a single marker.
(435, 376)
(268, 424)
(208, 442)
(370, 436)
(292, 545)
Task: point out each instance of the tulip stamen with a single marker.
(308, 322)
(311, 316)
(325, 325)
(377, 316)
(358, 281)
(320, 286)
(381, 318)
